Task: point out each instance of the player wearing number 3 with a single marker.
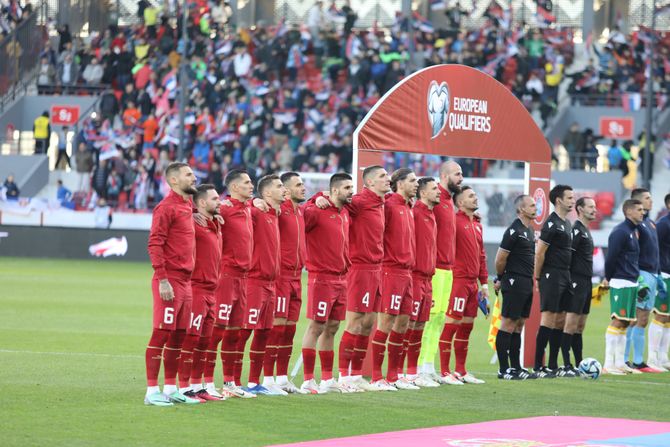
(469, 266)
(172, 252)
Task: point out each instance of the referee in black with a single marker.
(581, 273)
(552, 272)
(514, 268)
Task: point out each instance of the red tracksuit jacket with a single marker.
(446, 230)
(172, 238)
(366, 233)
(207, 255)
(399, 241)
(327, 234)
(425, 229)
(292, 239)
(238, 237)
(265, 260)
(470, 262)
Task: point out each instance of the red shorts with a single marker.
(396, 292)
(203, 315)
(259, 313)
(463, 300)
(231, 300)
(326, 297)
(175, 314)
(289, 298)
(364, 289)
(422, 298)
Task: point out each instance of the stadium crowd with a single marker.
(271, 97)
(12, 13)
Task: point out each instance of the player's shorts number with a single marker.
(253, 316)
(459, 304)
(281, 304)
(224, 311)
(417, 305)
(168, 315)
(395, 302)
(366, 299)
(195, 322)
(321, 309)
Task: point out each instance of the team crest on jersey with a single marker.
(574, 285)
(269, 221)
(576, 232)
(511, 281)
(546, 275)
(511, 231)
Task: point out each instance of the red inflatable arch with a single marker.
(458, 111)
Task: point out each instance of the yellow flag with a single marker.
(597, 294)
(496, 319)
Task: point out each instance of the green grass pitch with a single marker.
(72, 340)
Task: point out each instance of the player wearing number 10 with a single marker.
(172, 252)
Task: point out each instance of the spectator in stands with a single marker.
(84, 164)
(11, 188)
(573, 141)
(109, 105)
(102, 214)
(64, 196)
(64, 37)
(68, 72)
(46, 76)
(646, 150)
(615, 156)
(42, 133)
(114, 186)
(93, 72)
(62, 148)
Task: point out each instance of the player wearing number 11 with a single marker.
(172, 252)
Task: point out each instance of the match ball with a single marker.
(590, 368)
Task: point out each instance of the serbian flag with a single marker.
(116, 246)
(496, 320)
(422, 23)
(436, 5)
(631, 101)
(280, 30)
(545, 15)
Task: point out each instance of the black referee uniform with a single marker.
(555, 284)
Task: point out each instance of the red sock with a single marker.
(229, 353)
(285, 349)
(308, 359)
(257, 354)
(378, 351)
(345, 352)
(154, 355)
(445, 346)
(360, 349)
(414, 350)
(239, 353)
(327, 358)
(395, 351)
(210, 354)
(271, 349)
(403, 354)
(172, 354)
(186, 359)
(199, 358)
(461, 346)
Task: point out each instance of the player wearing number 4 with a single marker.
(204, 280)
(261, 292)
(172, 252)
(327, 235)
(469, 266)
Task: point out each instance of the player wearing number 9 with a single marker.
(172, 252)
(327, 237)
(469, 266)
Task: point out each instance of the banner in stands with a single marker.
(617, 128)
(64, 115)
(460, 112)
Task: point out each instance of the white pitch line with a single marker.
(80, 354)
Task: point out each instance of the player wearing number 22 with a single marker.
(469, 266)
(172, 252)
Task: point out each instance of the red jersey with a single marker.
(327, 235)
(238, 237)
(471, 260)
(292, 239)
(399, 242)
(425, 230)
(366, 232)
(446, 230)
(172, 238)
(265, 261)
(207, 255)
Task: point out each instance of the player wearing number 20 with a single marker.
(172, 252)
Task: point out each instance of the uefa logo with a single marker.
(438, 106)
(541, 205)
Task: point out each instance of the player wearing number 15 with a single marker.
(327, 235)
(469, 266)
(172, 252)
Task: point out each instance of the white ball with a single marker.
(590, 368)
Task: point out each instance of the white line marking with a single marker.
(80, 354)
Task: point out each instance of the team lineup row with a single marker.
(385, 255)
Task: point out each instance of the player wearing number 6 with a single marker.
(327, 235)
(469, 266)
(396, 302)
(172, 252)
